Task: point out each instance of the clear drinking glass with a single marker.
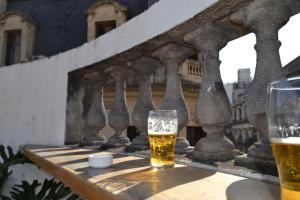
(284, 130)
(162, 131)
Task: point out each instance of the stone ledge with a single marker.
(228, 167)
(131, 178)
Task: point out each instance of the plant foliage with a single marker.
(7, 159)
(49, 190)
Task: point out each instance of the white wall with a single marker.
(33, 95)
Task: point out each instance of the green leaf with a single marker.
(9, 159)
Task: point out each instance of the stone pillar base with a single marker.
(260, 165)
(139, 143)
(94, 141)
(134, 147)
(261, 150)
(90, 143)
(212, 149)
(115, 142)
(259, 157)
(182, 146)
(212, 156)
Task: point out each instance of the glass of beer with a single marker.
(162, 131)
(283, 112)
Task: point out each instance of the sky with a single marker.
(240, 53)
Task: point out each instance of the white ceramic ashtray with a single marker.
(100, 161)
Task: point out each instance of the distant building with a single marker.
(30, 29)
(229, 89)
(243, 133)
(292, 68)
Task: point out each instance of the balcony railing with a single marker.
(213, 111)
(161, 52)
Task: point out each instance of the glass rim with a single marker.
(153, 111)
(276, 85)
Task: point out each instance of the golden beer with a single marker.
(162, 149)
(287, 156)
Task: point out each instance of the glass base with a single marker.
(157, 166)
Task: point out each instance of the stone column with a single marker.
(3, 6)
(264, 18)
(237, 113)
(243, 112)
(233, 115)
(96, 118)
(213, 107)
(250, 135)
(172, 56)
(74, 118)
(144, 68)
(119, 118)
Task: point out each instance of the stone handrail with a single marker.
(213, 108)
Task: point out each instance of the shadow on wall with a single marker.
(254, 190)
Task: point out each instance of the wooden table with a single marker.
(131, 178)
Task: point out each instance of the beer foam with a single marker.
(287, 140)
(162, 133)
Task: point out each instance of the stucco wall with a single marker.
(33, 95)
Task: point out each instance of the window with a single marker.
(13, 44)
(104, 27)
(17, 34)
(103, 16)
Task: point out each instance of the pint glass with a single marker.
(283, 112)
(162, 131)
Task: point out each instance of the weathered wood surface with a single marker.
(131, 178)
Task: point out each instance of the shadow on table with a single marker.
(41, 149)
(146, 183)
(77, 152)
(248, 189)
(123, 165)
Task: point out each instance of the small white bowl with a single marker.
(100, 161)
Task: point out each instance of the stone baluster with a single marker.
(119, 118)
(213, 107)
(74, 120)
(172, 56)
(237, 113)
(96, 118)
(233, 115)
(3, 6)
(144, 68)
(243, 112)
(264, 18)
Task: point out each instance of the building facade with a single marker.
(33, 29)
(243, 133)
(28, 33)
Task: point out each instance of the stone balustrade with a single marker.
(119, 117)
(144, 68)
(96, 118)
(213, 107)
(263, 17)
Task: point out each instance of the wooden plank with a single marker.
(131, 178)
